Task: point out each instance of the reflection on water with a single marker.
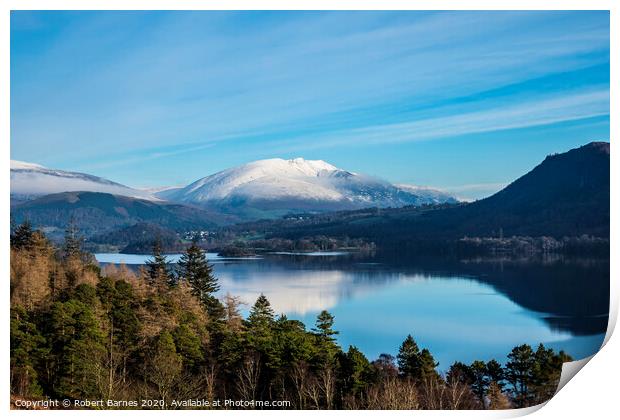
(459, 310)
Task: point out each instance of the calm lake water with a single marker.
(459, 310)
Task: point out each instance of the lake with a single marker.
(459, 310)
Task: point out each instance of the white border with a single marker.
(593, 394)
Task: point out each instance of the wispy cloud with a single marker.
(541, 112)
(125, 85)
(144, 155)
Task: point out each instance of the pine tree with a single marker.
(73, 242)
(546, 373)
(261, 314)
(79, 346)
(415, 364)
(194, 268)
(428, 364)
(355, 371)
(158, 266)
(519, 371)
(459, 372)
(480, 381)
(323, 327)
(260, 336)
(164, 366)
(409, 358)
(28, 349)
(325, 341)
(22, 236)
(496, 373)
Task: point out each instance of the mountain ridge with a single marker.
(566, 195)
(293, 185)
(31, 180)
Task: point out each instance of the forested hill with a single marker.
(96, 213)
(567, 195)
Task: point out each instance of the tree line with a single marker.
(82, 332)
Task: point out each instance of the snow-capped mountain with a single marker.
(279, 186)
(29, 180)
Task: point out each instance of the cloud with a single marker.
(144, 155)
(571, 107)
(129, 86)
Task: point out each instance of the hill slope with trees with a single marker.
(566, 196)
(80, 333)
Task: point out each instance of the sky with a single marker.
(462, 101)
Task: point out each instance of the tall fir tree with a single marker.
(519, 373)
(327, 349)
(415, 363)
(261, 314)
(323, 327)
(260, 329)
(158, 266)
(72, 247)
(496, 374)
(198, 273)
(428, 364)
(480, 382)
(22, 236)
(409, 358)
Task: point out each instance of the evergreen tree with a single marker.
(413, 363)
(260, 320)
(546, 373)
(323, 327)
(260, 352)
(22, 237)
(73, 242)
(78, 345)
(188, 346)
(194, 268)
(28, 350)
(261, 314)
(459, 373)
(496, 374)
(355, 371)
(158, 266)
(480, 382)
(292, 341)
(409, 358)
(325, 341)
(428, 364)
(164, 366)
(519, 373)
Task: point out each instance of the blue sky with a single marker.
(464, 101)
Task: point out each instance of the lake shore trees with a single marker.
(79, 332)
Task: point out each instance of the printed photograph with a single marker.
(306, 210)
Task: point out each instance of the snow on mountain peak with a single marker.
(18, 164)
(298, 182)
(29, 180)
(264, 178)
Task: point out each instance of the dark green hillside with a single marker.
(567, 195)
(96, 213)
(138, 238)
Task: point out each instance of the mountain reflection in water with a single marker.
(460, 310)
